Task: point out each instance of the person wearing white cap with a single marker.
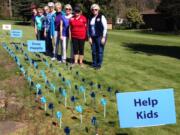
(97, 35)
(52, 13)
(51, 6)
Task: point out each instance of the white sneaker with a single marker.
(53, 59)
(63, 61)
(60, 62)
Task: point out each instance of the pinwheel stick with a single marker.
(45, 107)
(105, 111)
(60, 122)
(65, 101)
(81, 117)
(84, 96)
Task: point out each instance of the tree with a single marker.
(170, 9)
(133, 15)
(21, 8)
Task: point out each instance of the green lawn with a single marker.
(133, 61)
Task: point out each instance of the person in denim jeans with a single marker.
(47, 33)
(97, 35)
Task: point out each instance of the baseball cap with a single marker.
(50, 4)
(77, 9)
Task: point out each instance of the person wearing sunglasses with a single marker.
(64, 31)
(78, 30)
(97, 35)
(57, 21)
(39, 30)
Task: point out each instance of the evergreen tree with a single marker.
(21, 8)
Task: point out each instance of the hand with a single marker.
(90, 41)
(35, 31)
(45, 34)
(103, 40)
(61, 37)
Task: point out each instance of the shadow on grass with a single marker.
(121, 134)
(22, 23)
(150, 32)
(170, 51)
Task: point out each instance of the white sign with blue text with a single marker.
(16, 33)
(146, 108)
(36, 45)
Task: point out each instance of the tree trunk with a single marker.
(10, 8)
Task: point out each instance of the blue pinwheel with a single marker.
(35, 65)
(38, 87)
(67, 130)
(104, 103)
(68, 83)
(64, 94)
(83, 90)
(51, 107)
(29, 80)
(52, 86)
(93, 120)
(59, 117)
(79, 109)
(44, 101)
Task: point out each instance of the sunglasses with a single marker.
(94, 9)
(68, 9)
(77, 11)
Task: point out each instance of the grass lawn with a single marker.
(133, 61)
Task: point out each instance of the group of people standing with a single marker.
(57, 27)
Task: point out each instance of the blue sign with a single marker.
(16, 33)
(147, 108)
(36, 46)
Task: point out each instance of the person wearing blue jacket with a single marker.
(47, 31)
(97, 35)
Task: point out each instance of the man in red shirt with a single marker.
(78, 29)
